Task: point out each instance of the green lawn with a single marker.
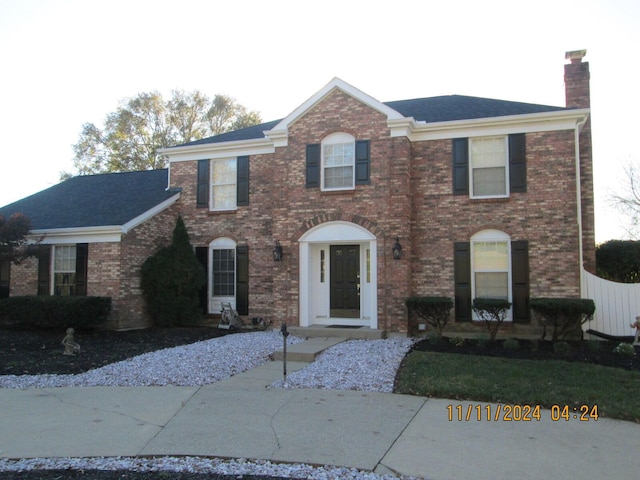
(615, 391)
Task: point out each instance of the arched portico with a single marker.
(338, 276)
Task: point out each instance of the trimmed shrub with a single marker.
(435, 311)
(492, 311)
(55, 312)
(561, 347)
(171, 281)
(565, 316)
(511, 344)
(625, 350)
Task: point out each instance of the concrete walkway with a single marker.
(239, 417)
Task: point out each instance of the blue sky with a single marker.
(67, 62)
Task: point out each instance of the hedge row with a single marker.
(563, 315)
(55, 311)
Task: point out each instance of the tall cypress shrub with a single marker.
(171, 281)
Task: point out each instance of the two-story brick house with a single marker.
(337, 213)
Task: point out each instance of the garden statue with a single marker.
(636, 325)
(70, 346)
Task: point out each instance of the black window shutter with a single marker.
(462, 280)
(44, 269)
(242, 279)
(243, 180)
(202, 193)
(461, 166)
(313, 166)
(202, 254)
(520, 280)
(362, 162)
(82, 256)
(517, 163)
(5, 278)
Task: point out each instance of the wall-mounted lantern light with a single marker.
(277, 252)
(397, 250)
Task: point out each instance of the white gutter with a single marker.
(577, 130)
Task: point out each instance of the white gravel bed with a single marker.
(200, 465)
(364, 365)
(200, 363)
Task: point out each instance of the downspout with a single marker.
(577, 130)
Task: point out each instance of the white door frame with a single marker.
(314, 296)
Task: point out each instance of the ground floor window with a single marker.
(492, 265)
(224, 272)
(64, 270)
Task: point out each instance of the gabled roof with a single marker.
(428, 110)
(113, 199)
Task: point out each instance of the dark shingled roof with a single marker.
(459, 107)
(94, 200)
(433, 109)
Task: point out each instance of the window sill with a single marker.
(490, 200)
(330, 193)
(213, 213)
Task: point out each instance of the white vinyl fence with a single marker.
(617, 304)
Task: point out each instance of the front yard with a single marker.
(572, 377)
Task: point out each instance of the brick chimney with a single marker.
(577, 95)
(576, 80)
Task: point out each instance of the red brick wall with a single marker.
(410, 196)
(24, 278)
(545, 216)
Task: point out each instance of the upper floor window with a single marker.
(338, 162)
(223, 184)
(489, 166)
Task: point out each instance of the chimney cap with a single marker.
(575, 56)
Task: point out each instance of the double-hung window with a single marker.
(223, 184)
(491, 265)
(489, 163)
(64, 270)
(338, 162)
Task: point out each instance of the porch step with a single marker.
(308, 350)
(362, 333)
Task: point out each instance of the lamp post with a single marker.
(285, 334)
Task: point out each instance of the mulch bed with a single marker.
(594, 351)
(36, 352)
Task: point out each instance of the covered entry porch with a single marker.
(338, 277)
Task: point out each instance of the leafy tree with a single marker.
(619, 261)
(627, 199)
(141, 125)
(171, 281)
(13, 233)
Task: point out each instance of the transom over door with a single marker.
(345, 281)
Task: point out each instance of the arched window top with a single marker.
(223, 242)
(338, 137)
(490, 235)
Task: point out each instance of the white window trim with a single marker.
(485, 236)
(338, 139)
(52, 267)
(213, 185)
(222, 243)
(506, 168)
